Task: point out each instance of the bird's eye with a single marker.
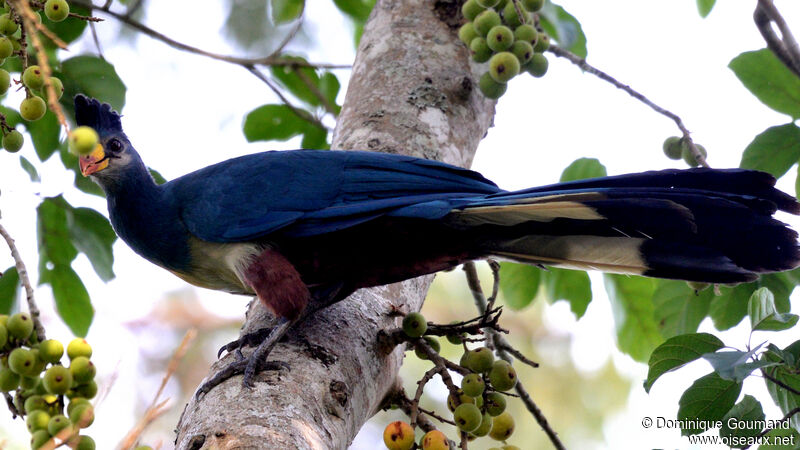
(114, 145)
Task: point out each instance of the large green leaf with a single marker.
(357, 10)
(781, 439)
(67, 30)
(769, 80)
(329, 86)
(274, 122)
(72, 299)
(286, 10)
(55, 245)
(764, 315)
(94, 77)
(572, 286)
(631, 301)
(730, 307)
(92, 235)
(564, 28)
(704, 7)
(677, 351)
(9, 290)
(789, 376)
(679, 309)
(45, 134)
(292, 79)
(83, 183)
(743, 416)
(519, 284)
(708, 399)
(775, 150)
(583, 168)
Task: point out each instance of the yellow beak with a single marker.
(94, 161)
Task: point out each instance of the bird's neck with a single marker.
(144, 217)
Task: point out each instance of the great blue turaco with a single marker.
(304, 229)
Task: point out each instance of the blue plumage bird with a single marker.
(303, 229)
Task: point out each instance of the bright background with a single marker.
(184, 112)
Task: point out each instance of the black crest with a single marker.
(100, 116)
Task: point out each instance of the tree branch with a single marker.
(399, 103)
(785, 47)
(586, 67)
(500, 343)
(271, 60)
(26, 283)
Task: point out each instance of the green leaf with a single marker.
(735, 365)
(775, 150)
(30, 169)
(329, 86)
(83, 183)
(781, 439)
(564, 28)
(769, 80)
(730, 307)
(72, 299)
(764, 315)
(286, 10)
(631, 302)
(583, 168)
(789, 376)
(704, 7)
(357, 10)
(315, 138)
(157, 177)
(273, 122)
(709, 398)
(292, 79)
(92, 234)
(45, 134)
(797, 184)
(55, 245)
(67, 30)
(677, 351)
(678, 308)
(94, 77)
(570, 285)
(519, 284)
(9, 290)
(747, 412)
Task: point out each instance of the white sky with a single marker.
(184, 112)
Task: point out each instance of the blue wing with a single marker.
(309, 192)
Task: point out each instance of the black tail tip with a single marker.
(100, 116)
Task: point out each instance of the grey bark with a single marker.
(413, 91)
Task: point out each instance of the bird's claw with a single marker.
(248, 340)
(249, 367)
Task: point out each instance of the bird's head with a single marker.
(115, 153)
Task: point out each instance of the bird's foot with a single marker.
(237, 368)
(256, 362)
(248, 340)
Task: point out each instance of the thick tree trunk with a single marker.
(413, 91)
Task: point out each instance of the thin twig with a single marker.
(22, 272)
(399, 398)
(157, 409)
(144, 29)
(779, 382)
(786, 417)
(418, 394)
(29, 21)
(303, 114)
(315, 91)
(785, 47)
(480, 303)
(586, 67)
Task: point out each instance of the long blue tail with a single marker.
(699, 225)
